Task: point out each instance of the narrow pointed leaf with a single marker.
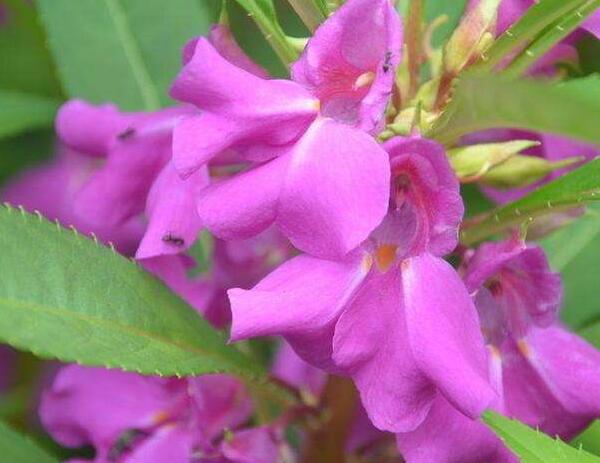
(533, 446)
(528, 28)
(482, 101)
(64, 296)
(124, 51)
(17, 448)
(571, 190)
(20, 112)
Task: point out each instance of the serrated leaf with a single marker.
(17, 448)
(533, 446)
(482, 101)
(64, 296)
(20, 112)
(537, 18)
(574, 251)
(123, 51)
(570, 190)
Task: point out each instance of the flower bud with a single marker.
(472, 162)
(472, 36)
(523, 170)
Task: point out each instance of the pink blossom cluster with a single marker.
(323, 236)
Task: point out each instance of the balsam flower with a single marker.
(312, 168)
(392, 315)
(544, 375)
(130, 418)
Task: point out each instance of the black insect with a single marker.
(387, 61)
(174, 240)
(127, 133)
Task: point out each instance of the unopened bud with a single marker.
(472, 162)
(523, 170)
(472, 37)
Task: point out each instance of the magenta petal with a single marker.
(222, 402)
(350, 62)
(444, 333)
(336, 190)
(221, 38)
(290, 368)
(237, 104)
(255, 445)
(592, 24)
(570, 368)
(90, 129)
(371, 344)
(169, 444)
(173, 223)
(95, 405)
(244, 205)
(301, 300)
(448, 436)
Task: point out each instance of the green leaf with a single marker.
(18, 448)
(589, 439)
(24, 58)
(309, 11)
(434, 9)
(483, 101)
(124, 51)
(570, 190)
(23, 151)
(533, 446)
(20, 112)
(534, 22)
(551, 36)
(574, 251)
(64, 296)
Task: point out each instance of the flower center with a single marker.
(364, 79)
(385, 255)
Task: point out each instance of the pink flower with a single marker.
(310, 167)
(392, 315)
(130, 418)
(544, 375)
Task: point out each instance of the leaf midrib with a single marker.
(133, 54)
(167, 342)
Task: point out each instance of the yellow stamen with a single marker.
(160, 417)
(385, 256)
(364, 79)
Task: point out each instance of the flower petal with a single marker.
(173, 224)
(444, 333)
(244, 205)
(300, 300)
(371, 345)
(336, 190)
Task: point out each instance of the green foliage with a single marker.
(17, 448)
(69, 298)
(20, 112)
(533, 446)
(127, 52)
(434, 9)
(25, 61)
(538, 20)
(574, 251)
(26, 150)
(483, 101)
(570, 190)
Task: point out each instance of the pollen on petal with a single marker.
(160, 417)
(364, 79)
(385, 256)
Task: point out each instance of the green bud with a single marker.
(472, 36)
(522, 171)
(472, 162)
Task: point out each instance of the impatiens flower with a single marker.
(311, 167)
(392, 315)
(130, 418)
(136, 175)
(544, 375)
